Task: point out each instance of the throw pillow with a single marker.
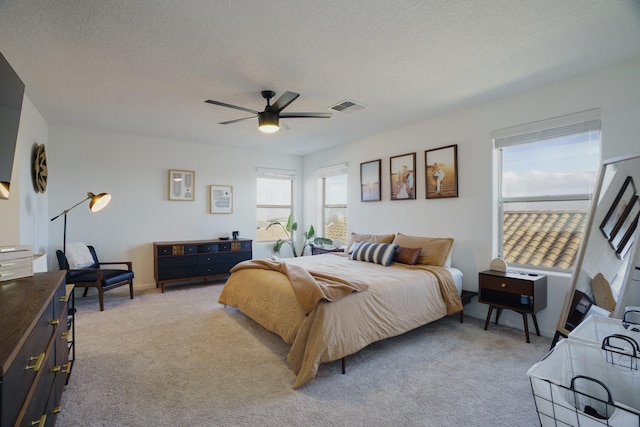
(407, 255)
(379, 253)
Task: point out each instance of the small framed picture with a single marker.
(181, 185)
(370, 181)
(613, 219)
(221, 199)
(402, 174)
(441, 170)
(626, 225)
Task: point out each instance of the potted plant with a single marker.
(290, 229)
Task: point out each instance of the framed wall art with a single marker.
(402, 173)
(181, 185)
(441, 170)
(612, 219)
(221, 199)
(370, 181)
(623, 232)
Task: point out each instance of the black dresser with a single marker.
(34, 349)
(197, 260)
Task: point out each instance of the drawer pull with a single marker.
(36, 366)
(65, 369)
(56, 410)
(504, 285)
(8, 264)
(7, 273)
(55, 322)
(64, 298)
(66, 335)
(40, 422)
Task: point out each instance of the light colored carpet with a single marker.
(182, 359)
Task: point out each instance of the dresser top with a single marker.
(199, 242)
(22, 303)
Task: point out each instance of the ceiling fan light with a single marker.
(268, 122)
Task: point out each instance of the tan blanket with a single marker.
(398, 298)
(309, 288)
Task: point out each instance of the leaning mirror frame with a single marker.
(609, 245)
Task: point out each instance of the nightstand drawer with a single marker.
(509, 286)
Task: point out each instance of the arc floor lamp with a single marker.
(98, 202)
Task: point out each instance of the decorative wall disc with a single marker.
(40, 171)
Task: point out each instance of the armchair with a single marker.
(94, 276)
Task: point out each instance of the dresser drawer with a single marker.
(177, 261)
(510, 286)
(32, 355)
(207, 248)
(178, 272)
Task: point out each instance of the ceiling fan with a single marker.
(269, 119)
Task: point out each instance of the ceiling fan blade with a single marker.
(236, 120)
(222, 104)
(286, 99)
(309, 115)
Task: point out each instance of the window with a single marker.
(332, 185)
(547, 172)
(274, 202)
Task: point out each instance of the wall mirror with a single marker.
(609, 250)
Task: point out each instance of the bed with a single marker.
(366, 302)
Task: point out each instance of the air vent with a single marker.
(347, 107)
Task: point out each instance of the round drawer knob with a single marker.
(503, 285)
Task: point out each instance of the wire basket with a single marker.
(576, 384)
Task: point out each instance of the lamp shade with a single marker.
(98, 202)
(268, 121)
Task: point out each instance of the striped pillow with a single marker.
(379, 253)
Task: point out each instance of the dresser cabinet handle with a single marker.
(64, 298)
(39, 422)
(7, 264)
(66, 335)
(36, 366)
(55, 322)
(504, 285)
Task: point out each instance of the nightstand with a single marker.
(318, 250)
(521, 292)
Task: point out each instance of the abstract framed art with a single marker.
(370, 181)
(221, 199)
(441, 172)
(181, 184)
(402, 175)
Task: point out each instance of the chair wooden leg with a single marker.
(101, 298)
(131, 288)
(86, 289)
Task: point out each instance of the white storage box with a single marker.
(594, 329)
(574, 385)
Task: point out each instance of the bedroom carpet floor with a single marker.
(182, 359)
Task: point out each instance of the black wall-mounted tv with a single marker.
(11, 94)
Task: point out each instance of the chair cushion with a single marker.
(111, 277)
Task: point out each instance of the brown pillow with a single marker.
(407, 255)
(372, 238)
(434, 250)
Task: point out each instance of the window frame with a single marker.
(323, 174)
(532, 133)
(275, 174)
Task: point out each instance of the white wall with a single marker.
(24, 215)
(135, 171)
(470, 217)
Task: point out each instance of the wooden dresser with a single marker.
(34, 349)
(191, 260)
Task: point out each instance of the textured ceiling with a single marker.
(145, 67)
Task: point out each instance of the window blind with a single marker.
(586, 121)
